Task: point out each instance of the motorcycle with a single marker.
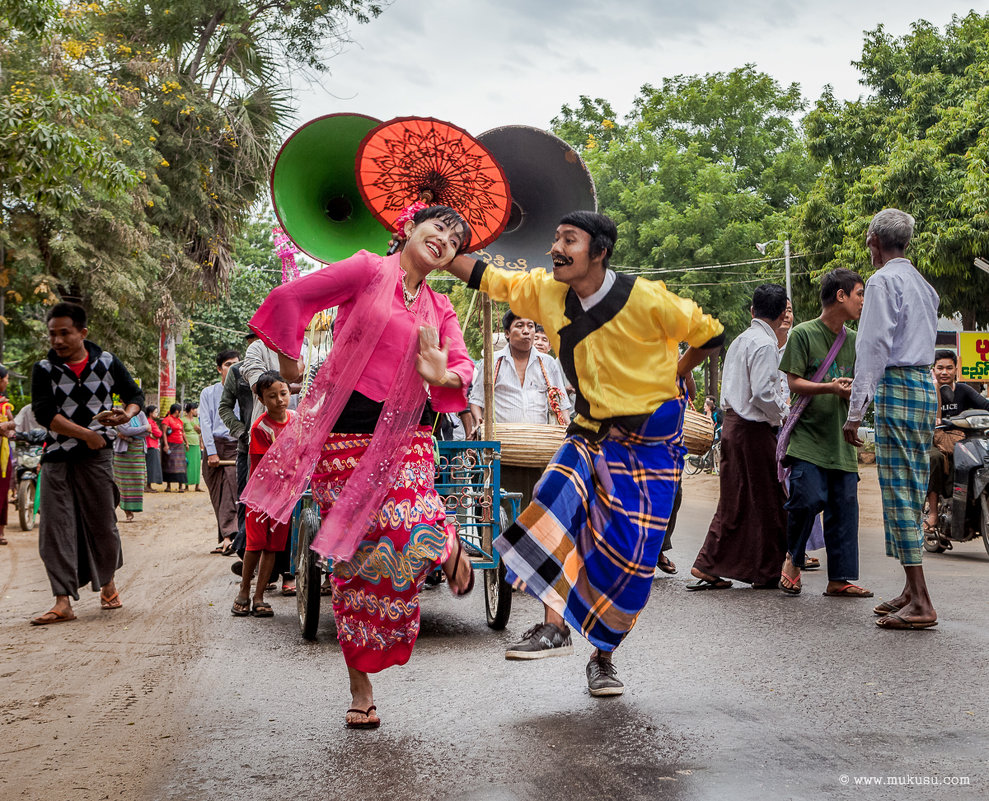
(964, 515)
(30, 445)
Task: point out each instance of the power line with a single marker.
(644, 270)
(218, 327)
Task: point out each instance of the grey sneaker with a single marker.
(541, 641)
(602, 678)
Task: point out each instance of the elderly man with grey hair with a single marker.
(893, 356)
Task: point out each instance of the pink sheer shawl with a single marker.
(284, 472)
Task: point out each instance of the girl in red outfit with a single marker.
(173, 449)
(266, 537)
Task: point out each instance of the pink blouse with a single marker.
(282, 319)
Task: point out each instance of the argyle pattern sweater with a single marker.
(56, 390)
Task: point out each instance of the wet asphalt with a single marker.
(731, 694)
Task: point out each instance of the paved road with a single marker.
(736, 694)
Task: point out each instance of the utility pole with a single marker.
(761, 247)
(786, 254)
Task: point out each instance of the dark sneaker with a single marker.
(602, 678)
(541, 641)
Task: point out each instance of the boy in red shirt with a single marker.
(265, 537)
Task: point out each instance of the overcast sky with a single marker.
(485, 63)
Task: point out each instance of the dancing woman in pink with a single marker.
(362, 438)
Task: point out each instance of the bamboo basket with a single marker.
(698, 432)
(528, 444)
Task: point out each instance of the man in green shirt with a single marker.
(823, 466)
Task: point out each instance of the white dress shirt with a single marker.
(210, 425)
(898, 328)
(750, 386)
(518, 403)
(610, 276)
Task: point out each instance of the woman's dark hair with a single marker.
(174, 409)
(266, 380)
(3, 371)
(945, 354)
(839, 278)
(150, 409)
(604, 233)
(768, 301)
(190, 406)
(449, 216)
(71, 310)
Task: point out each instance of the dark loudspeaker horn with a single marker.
(314, 189)
(548, 179)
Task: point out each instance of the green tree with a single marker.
(65, 181)
(700, 170)
(917, 142)
(135, 140)
(221, 323)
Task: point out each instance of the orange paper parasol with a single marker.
(419, 158)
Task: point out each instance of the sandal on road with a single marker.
(811, 562)
(885, 608)
(241, 607)
(52, 617)
(664, 564)
(849, 591)
(262, 609)
(708, 584)
(370, 721)
(894, 621)
(790, 586)
(110, 601)
(218, 549)
(288, 588)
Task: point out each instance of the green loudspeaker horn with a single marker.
(314, 189)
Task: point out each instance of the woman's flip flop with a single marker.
(370, 723)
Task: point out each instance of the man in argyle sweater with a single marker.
(72, 396)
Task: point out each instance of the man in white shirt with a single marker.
(529, 387)
(524, 380)
(894, 351)
(219, 446)
(747, 537)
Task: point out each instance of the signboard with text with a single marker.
(973, 356)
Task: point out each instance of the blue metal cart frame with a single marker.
(468, 479)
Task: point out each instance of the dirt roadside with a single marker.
(89, 707)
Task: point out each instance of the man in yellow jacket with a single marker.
(587, 545)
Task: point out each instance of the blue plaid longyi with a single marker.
(906, 408)
(587, 545)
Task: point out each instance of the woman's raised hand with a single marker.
(431, 361)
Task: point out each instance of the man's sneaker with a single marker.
(541, 641)
(602, 678)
